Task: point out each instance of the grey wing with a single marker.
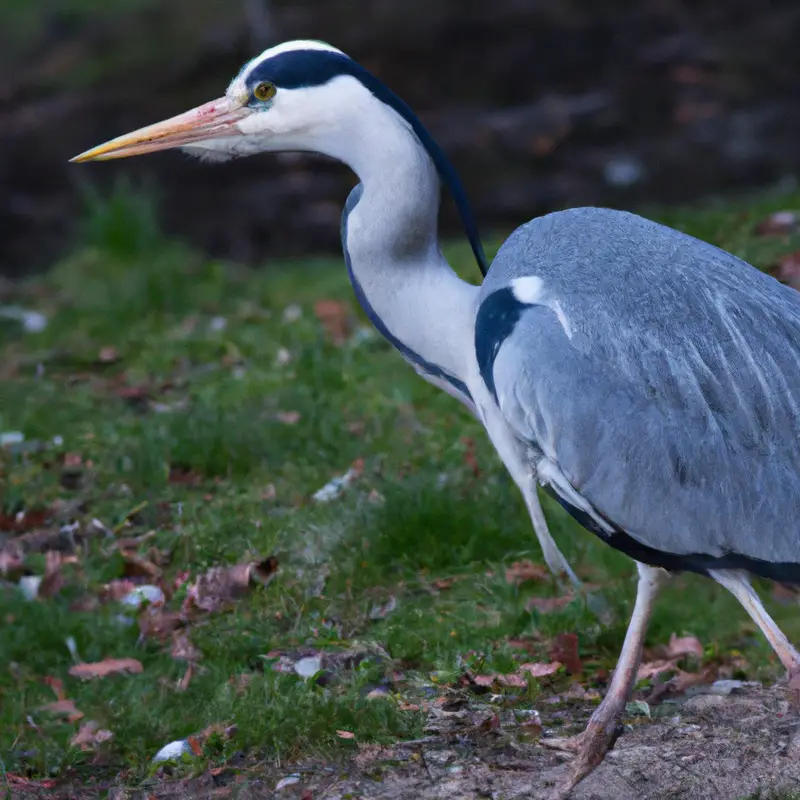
(671, 407)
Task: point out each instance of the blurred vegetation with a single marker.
(540, 105)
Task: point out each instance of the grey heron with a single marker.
(648, 380)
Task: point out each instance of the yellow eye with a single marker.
(264, 91)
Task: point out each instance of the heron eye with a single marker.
(264, 91)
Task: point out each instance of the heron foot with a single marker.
(589, 749)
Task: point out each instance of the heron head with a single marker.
(301, 95)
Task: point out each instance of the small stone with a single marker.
(703, 702)
(172, 751)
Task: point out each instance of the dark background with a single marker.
(541, 104)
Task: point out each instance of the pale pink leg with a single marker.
(738, 584)
(592, 745)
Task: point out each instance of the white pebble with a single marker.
(172, 751)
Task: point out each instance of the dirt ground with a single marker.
(725, 747)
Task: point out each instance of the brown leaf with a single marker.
(680, 646)
(108, 666)
(57, 685)
(788, 270)
(547, 605)
(183, 683)
(194, 743)
(521, 571)
(779, 223)
(137, 566)
(565, 650)
(63, 708)
(512, 679)
(220, 586)
(157, 623)
(53, 580)
(25, 521)
(183, 649)
(90, 735)
(651, 669)
(345, 734)
(540, 670)
(335, 318)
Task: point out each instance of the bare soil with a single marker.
(707, 746)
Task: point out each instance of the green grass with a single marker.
(214, 392)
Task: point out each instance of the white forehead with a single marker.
(238, 84)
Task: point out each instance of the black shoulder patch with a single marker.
(497, 316)
(297, 69)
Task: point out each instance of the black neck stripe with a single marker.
(303, 68)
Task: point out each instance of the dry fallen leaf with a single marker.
(541, 670)
(183, 683)
(680, 646)
(137, 566)
(220, 586)
(335, 318)
(194, 743)
(183, 649)
(565, 650)
(25, 521)
(108, 666)
(53, 580)
(63, 708)
(512, 679)
(90, 735)
(521, 571)
(57, 685)
(345, 734)
(157, 623)
(547, 605)
(651, 669)
(788, 270)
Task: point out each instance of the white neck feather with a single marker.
(393, 244)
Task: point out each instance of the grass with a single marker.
(151, 403)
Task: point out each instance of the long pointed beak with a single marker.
(213, 120)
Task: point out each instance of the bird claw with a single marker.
(589, 749)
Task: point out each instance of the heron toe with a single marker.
(589, 747)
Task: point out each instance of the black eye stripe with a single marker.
(302, 68)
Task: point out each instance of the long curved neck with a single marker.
(390, 240)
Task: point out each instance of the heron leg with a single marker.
(553, 557)
(555, 560)
(738, 584)
(592, 745)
